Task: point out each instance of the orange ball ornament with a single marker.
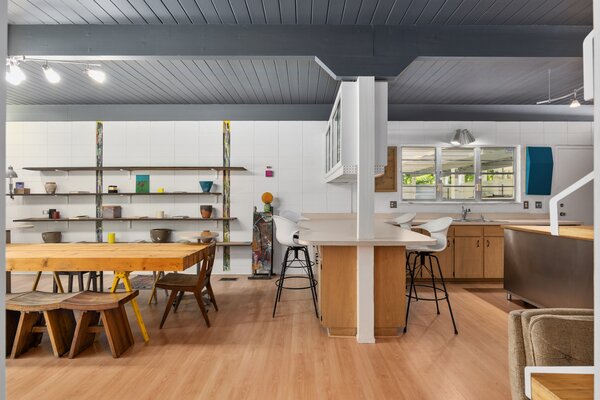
(267, 198)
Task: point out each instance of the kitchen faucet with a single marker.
(465, 212)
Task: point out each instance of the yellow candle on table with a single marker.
(112, 238)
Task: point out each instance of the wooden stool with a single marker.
(35, 313)
(108, 307)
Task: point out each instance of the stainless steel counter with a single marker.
(548, 271)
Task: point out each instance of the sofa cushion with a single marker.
(562, 340)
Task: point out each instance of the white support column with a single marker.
(365, 200)
(365, 195)
(3, 41)
(596, 127)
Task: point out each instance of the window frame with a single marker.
(478, 186)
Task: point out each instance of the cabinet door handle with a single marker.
(477, 242)
(487, 243)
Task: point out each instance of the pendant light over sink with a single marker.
(462, 137)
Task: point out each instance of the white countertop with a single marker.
(342, 232)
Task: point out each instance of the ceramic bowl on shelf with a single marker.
(52, 237)
(202, 237)
(206, 211)
(160, 235)
(206, 186)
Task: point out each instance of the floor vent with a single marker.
(228, 279)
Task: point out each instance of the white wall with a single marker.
(486, 133)
(293, 149)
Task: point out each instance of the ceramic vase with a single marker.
(206, 211)
(50, 187)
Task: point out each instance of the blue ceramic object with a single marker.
(206, 186)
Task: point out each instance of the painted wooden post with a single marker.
(365, 200)
(99, 177)
(226, 193)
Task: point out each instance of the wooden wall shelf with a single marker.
(120, 219)
(118, 194)
(135, 168)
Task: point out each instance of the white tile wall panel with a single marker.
(293, 149)
(580, 133)
(555, 133)
(532, 133)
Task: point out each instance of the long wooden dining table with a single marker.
(122, 258)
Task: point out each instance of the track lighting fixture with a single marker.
(15, 75)
(462, 137)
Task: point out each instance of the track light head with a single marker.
(574, 103)
(14, 73)
(96, 74)
(51, 75)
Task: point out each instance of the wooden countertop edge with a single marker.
(584, 232)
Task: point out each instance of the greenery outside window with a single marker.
(459, 173)
(418, 173)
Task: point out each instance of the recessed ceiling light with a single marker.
(51, 75)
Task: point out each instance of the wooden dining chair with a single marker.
(179, 284)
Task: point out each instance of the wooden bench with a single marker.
(36, 313)
(107, 307)
(30, 315)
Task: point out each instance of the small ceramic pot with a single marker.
(160, 235)
(50, 187)
(206, 186)
(52, 237)
(206, 211)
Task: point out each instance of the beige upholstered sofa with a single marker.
(548, 337)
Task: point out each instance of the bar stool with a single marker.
(292, 216)
(405, 220)
(286, 232)
(438, 229)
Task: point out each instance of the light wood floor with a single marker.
(246, 354)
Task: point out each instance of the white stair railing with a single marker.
(554, 201)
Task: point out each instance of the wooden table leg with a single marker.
(58, 282)
(124, 276)
(38, 275)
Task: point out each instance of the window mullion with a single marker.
(478, 182)
(438, 174)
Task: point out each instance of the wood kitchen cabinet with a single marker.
(493, 257)
(468, 257)
(473, 252)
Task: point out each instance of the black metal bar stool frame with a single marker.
(295, 262)
(414, 270)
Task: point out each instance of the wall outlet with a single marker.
(538, 204)
(526, 204)
(393, 204)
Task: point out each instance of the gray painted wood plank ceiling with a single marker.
(218, 81)
(475, 80)
(382, 12)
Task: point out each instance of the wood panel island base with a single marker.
(337, 274)
(362, 282)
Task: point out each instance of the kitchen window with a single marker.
(455, 174)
